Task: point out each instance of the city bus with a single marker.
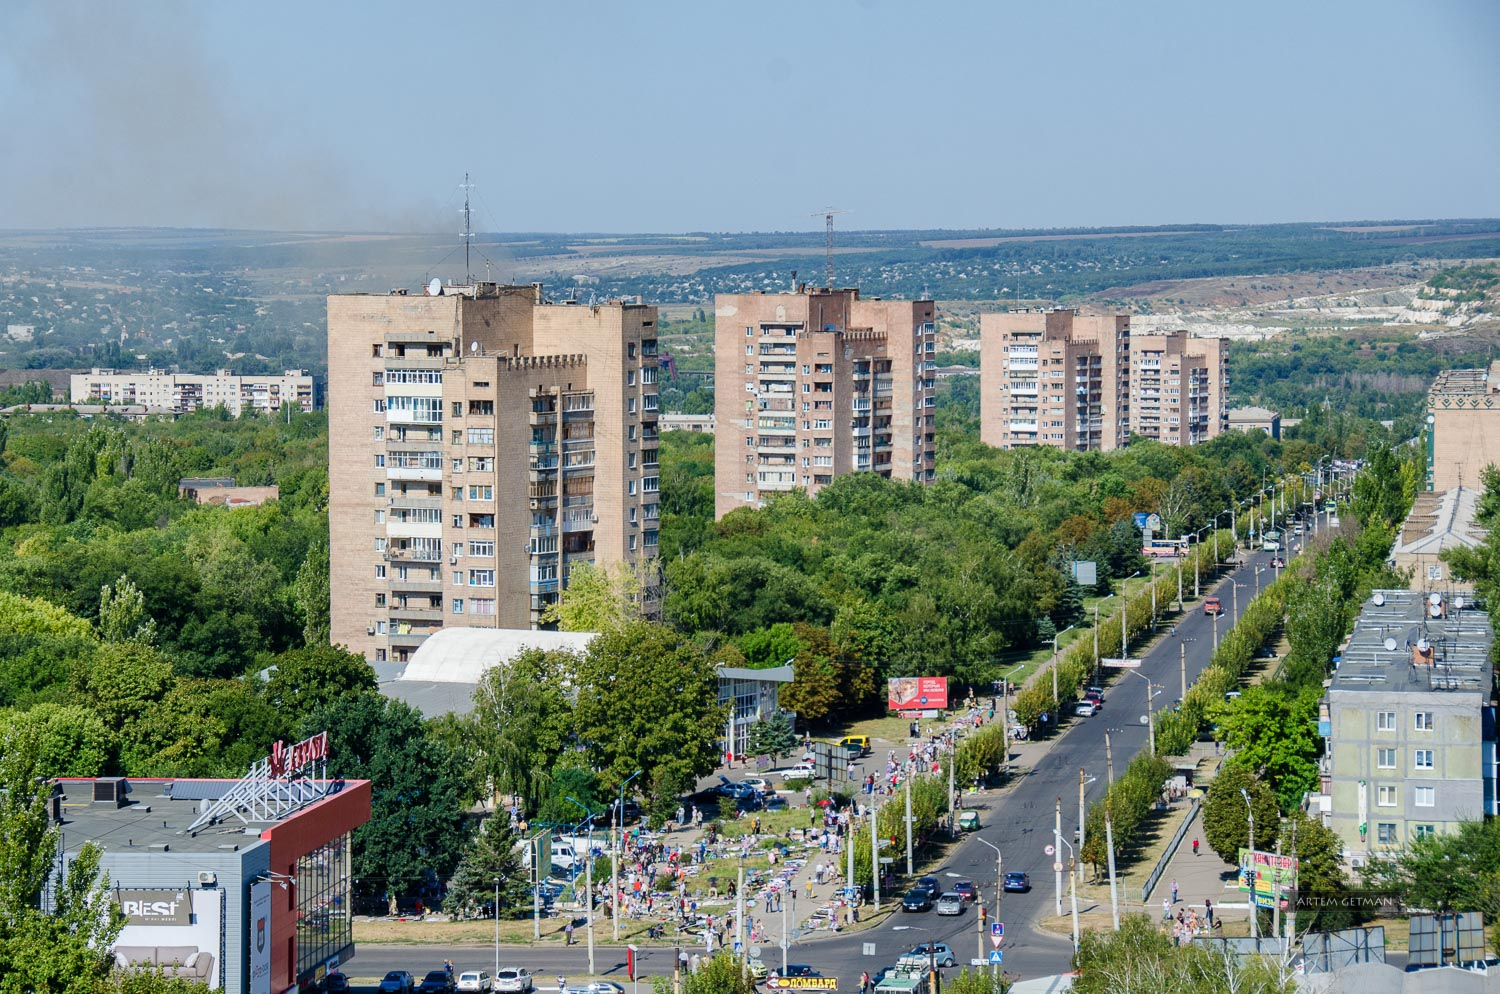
(1270, 540)
(1165, 548)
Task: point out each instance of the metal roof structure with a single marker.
(1417, 642)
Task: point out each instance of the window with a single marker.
(380, 545)
(458, 465)
(458, 408)
(650, 538)
(458, 578)
(380, 655)
(631, 457)
(630, 433)
(632, 515)
(630, 403)
(379, 460)
(632, 542)
(1385, 721)
(428, 410)
(379, 516)
(482, 464)
(380, 572)
(1385, 833)
(1423, 759)
(484, 492)
(1425, 797)
(482, 605)
(1386, 759)
(630, 350)
(379, 405)
(456, 493)
(481, 436)
(380, 628)
(457, 437)
(380, 600)
(458, 521)
(485, 550)
(380, 490)
(1424, 831)
(379, 432)
(1385, 797)
(481, 407)
(481, 578)
(1422, 721)
(630, 377)
(458, 605)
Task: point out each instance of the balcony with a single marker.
(1023, 426)
(539, 419)
(411, 417)
(415, 474)
(544, 586)
(413, 555)
(424, 613)
(410, 639)
(401, 503)
(421, 582)
(577, 520)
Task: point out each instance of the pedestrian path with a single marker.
(1190, 880)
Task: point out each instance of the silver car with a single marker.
(950, 904)
(475, 980)
(512, 978)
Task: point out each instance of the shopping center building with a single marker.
(242, 885)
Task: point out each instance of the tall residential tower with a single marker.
(816, 383)
(482, 442)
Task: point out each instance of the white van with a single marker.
(563, 856)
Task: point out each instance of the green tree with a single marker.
(1142, 959)
(521, 722)
(772, 735)
(600, 598)
(1457, 871)
(1272, 732)
(719, 974)
(491, 855)
(311, 592)
(415, 832)
(122, 614)
(649, 700)
(1226, 817)
(61, 949)
(313, 677)
(71, 740)
(976, 982)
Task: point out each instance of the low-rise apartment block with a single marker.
(483, 442)
(1057, 378)
(180, 393)
(816, 383)
(1409, 723)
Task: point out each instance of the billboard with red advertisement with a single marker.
(917, 693)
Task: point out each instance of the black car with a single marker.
(931, 885)
(917, 899)
(800, 970)
(776, 803)
(336, 983)
(1017, 882)
(437, 982)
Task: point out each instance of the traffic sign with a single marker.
(997, 957)
(1057, 866)
(1050, 851)
(995, 940)
(998, 928)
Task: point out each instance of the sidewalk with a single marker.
(1199, 877)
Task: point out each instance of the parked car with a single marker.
(1084, 709)
(1017, 882)
(1095, 691)
(759, 783)
(397, 982)
(966, 890)
(800, 970)
(861, 741)
(758, 970)
(775, 802)
(950, 904)
(336, 983)
(1095, 698)
(513, 979)
(800, 771)
(939, 953)
(916, 899)
(732, 788)
(475, 980)
(436, 982)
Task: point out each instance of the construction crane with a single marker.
(827, 214)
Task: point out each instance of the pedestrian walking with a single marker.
(1208, 911)
(1195, 847)
(1166, 910)
(1174, 892)
(562, 983)
(568, 931)
(864, 982)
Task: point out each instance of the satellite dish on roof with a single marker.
(1422, 644)
(1378, 599)
(1435, 611)
(1458, 603)
(1434, 598)
(435, 288)
(474, 347)
(1390, 644)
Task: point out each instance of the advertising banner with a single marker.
(917, 693)
(260, 937)
(176, 932)
(1264, 875)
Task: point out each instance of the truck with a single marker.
(904, 982)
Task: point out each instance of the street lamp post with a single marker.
(1125, 612)
(1150, 717)
(1254, 911)
(1073, 878)
(588, 879)
(999, 874)
(1097, 671)
(614, 863)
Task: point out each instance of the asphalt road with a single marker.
(1019, 821)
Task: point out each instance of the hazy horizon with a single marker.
(678, 117)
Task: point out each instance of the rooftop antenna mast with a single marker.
(468, 233)
(827, 214)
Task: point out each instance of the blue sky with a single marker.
(665, 116)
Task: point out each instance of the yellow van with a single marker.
(861, 742)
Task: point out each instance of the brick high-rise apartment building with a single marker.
(1179, 387)
(1084, 382)
(815, 383)
(482, 442)
(1055, 378)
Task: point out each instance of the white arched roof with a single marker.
(462, 655)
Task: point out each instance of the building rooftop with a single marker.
(445, 669)
(1408, 641)
(1251, 414)
(156, 816)
(1466, 382)
(1438, 521)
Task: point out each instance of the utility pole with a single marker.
(1109, 842)
(1276, 891)
(588, 883)
(849, 842)
(739, 921)
(536, 885)
(1057, 857)
(1109, 757)
(874, 854)
(1182, 655)
(1080, 820)
(1179, 584)
(497, 924)
(908, 827)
